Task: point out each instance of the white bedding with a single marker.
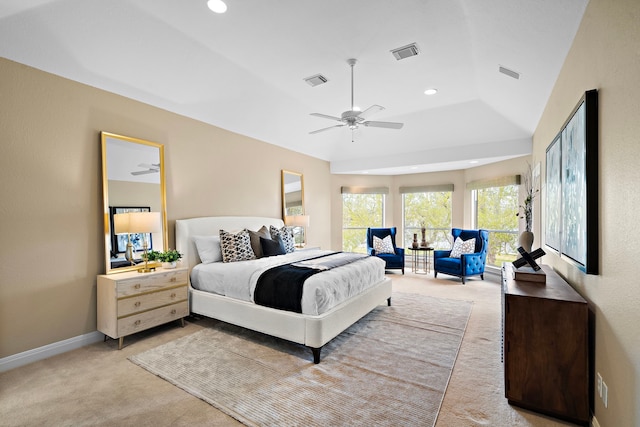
(321, 292)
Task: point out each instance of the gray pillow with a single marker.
(255, 240)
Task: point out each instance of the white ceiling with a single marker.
(244, 70)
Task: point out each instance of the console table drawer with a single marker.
(145, 320)
(144, 302)
(150, 282)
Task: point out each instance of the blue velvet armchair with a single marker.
(392, 261)
(468, 264)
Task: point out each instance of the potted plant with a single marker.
(169, 258)
(525, 210)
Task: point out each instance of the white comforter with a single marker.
(321, 292)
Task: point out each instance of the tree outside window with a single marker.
(431, 210)
(359, 212)
(495, 207)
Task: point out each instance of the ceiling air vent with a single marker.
(509, 72)
(316, 80)
(405, 51)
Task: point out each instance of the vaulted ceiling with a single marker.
(243, 70)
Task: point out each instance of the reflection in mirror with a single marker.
(133, 181)
(293, 204)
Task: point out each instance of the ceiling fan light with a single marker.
(217, 6)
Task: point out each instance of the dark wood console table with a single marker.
(546, 346)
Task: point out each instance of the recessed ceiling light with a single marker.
(217, 6)
(431, 91)
(473, 162)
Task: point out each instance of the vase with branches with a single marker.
(525, 211)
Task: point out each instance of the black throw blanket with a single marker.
(281, 287)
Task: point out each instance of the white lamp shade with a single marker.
(297, 220)
(121, 223)
(145, 222)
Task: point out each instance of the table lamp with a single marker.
(143, 223)
(297, 221)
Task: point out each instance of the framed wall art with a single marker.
(571, 226)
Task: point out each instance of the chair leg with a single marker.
(435, 274)
(482, 276)
(463, 280)
(402, 270)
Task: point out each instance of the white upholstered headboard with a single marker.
(211, 226)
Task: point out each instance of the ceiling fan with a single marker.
(151, 168)
(353, 118)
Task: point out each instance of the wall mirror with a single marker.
(132, 181)
(293, 204)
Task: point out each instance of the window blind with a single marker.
(426, 188)
(494, 182)
(364, 190)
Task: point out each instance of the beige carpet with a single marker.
(390, 368)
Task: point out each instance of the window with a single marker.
(496, 206)
(361, 208)
(429, 206)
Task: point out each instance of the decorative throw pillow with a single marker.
(272, 247)
(463, 247)
(255, 240)
(383, 246)
(208, 248)
(236, 246)
(286, 234)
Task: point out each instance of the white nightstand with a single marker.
(132, 302)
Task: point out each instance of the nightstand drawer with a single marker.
(150, 282)
(149, 319)
(144, 302)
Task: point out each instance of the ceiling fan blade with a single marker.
(326, 116)
(323, 129)
(370, 111)
(388, 125)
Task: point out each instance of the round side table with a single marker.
(421, 260)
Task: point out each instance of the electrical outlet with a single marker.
(605, 394)
(599, 384)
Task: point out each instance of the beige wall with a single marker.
(606, 56)
(51, 193)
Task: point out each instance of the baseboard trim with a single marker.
(594, 422)
(53, 349)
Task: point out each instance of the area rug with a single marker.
(390, 368)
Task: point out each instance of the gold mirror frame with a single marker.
(122, 155)
(293, 201)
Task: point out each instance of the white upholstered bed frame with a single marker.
(312, 331)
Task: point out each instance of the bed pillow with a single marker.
(286, 235)
(255, 240)
(383, 246)
(236, 246)
(271, 247)
(208, 248)
(463, 247)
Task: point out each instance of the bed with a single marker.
(311, 330)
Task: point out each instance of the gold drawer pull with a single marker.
(173, 295)
(137, 304)
(136, 286)
(173, 311)
(173, 279)
(137, 322)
